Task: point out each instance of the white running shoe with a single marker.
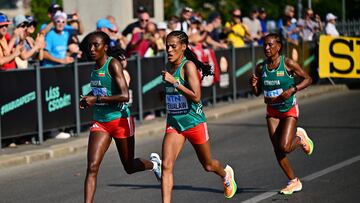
(155, 158)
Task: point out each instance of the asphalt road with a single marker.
(331, 174)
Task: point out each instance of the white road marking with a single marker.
(310, 177)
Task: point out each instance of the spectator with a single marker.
(52, 10)
(310, 26)
(213, 38)
(263, 23)
(31, 47)
(236, 31)
(254, 26)
(161, 36)
(143, 43)
(140, 24)
(109, 28)
(330, 28)
(289, 11)
(7, 53)
(57, 41)
(172, 24)
(289, 34)
(184, 21)
(197, 35)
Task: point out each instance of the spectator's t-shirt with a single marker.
(254, 27)
(56, 45)
(237, 35)
(309, 29)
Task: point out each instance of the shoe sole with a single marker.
(232, 182)
(308, 140)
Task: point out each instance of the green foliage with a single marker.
(39, 9)
(274, 8)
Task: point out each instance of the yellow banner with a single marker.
(339, 57)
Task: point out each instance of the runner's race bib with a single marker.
(101, 91)
(273, 93)
(176, 104)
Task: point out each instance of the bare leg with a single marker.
(99, 143)
(172, 145)
(283, 138)
(204, 155)
(125, 147)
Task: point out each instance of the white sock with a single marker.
(155, 165)
(226, 178)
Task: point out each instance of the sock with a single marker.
(226, 178)
(155, 165)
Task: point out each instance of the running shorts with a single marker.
(196, 135)
(118, 128)
(272, 112)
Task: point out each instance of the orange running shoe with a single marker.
(230, 186)
(292, 186)
(307, 143)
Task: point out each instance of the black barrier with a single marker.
(152, 83)
(84, 88)
(58, 102)
(225, 86)
(18, 103)
(133, 86)
(243, 69)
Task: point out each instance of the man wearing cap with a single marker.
(52, 10)
(7, 53)
(109, 28)
(57, 42)
(140, 24)
(330, 28)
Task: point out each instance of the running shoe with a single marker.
(230, 186)
(307, 143)
(155, 158)
(292, 186)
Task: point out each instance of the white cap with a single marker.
(330, 16)
(161, 25)
(61, 15)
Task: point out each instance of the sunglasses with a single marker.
(1, 26)
(144, 20)
(23, 25)
(60, 21)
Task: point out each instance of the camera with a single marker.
(72, 17)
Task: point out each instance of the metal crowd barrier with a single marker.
(39, 99)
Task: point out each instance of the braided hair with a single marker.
(205, 69)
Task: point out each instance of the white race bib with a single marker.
(273, 93)
(176, 104)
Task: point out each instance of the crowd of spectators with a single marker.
(57, 42)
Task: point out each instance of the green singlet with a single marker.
(102, 84)
(274, 82)
(182, 113)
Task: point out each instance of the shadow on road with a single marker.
(176, 187)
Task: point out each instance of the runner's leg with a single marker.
(172, 145)
(98, 144)
(126, 147)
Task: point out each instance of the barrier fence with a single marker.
(38, 99)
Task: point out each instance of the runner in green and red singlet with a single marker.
(275, 78)
(185, 118)
(112, 120)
